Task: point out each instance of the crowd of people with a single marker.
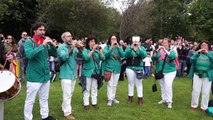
(112, 60)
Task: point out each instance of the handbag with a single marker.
(159, 75)
(107, 75)
(139, 74)
(154, 88)
(96, 76)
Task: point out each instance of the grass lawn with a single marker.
(123, 111)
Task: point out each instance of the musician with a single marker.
(169, 70)
(92, 54)
(201, 72)
(38, 72)
(134, 54)
(113, 53)
(67, 53)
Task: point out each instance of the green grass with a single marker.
(123, 111)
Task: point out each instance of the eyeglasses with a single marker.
(9, 38)
(24, 34)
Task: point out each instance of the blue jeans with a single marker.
(146, 71)
(52, 68)
(22, 70)
(181, 68)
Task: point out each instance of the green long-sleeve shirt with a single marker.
(202, 62)
(91, 64)
(169, 65)
(129, 53)
(68, 68)
(112, 59)
(38, 67)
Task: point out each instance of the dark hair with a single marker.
(36, 25)
(90, 37)
(109, 39)
(13, 42)
(8, 36)
(204, 41)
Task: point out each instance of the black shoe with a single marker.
(49, 118)
(95, 106)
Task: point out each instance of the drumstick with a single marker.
(9, 52)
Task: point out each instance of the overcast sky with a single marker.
(120, 5)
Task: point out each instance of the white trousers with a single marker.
(166, 86)
(132, 81)
(204, 85)
(43, 92)
(112, 86)
(67, 89)
(1, 110)
(92, 84)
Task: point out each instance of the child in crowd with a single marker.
(147, 62)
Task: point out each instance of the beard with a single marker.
(69, 42)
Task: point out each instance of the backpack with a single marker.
(22, 46)
(209, 111)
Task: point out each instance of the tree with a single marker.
(138, 19)
(17, 16)
(81, 17)
(201, 20)
(170, 18)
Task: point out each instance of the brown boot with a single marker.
(69, 117)
(130, 100)
(140, 101)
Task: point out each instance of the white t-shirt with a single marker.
(51, 59)
(147, 61)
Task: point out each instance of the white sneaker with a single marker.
(161, 102)
(169, 105)
(115, 101)
(109, 103)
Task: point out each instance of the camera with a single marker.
(135, 44)
(98, 48)
(115, 43)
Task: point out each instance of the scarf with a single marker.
(39, 40)
(162, 55)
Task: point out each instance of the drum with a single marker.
(9, 85)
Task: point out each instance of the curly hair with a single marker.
(91, 37)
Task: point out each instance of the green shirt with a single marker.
(68, 68)
(169, 65)
(129, 53)
(113, 59)
(38, 67)
(91, 64)
(203, 63)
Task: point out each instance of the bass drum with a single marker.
(9, 85)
